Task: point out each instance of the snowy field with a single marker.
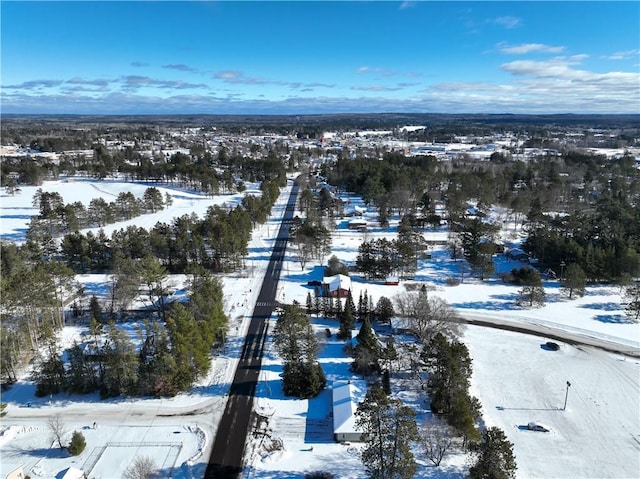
(515, 378)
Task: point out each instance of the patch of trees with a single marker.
(31, 304)
(449, 366)
(56, 218)
(297, 345)
(604, 243)
(218, 241)
(477, 239)
(171, 355)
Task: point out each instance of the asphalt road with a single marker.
(583, 338)
(226, 461)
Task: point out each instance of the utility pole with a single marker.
(566, 395)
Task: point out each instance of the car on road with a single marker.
(536, 426)
(552, 346)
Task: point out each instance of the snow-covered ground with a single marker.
(515, 378)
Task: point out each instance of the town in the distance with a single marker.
(348, 296)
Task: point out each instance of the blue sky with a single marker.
(147, 57)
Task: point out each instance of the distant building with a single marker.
(358, 225)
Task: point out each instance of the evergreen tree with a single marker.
(574, 280)
(384, 309)
(189, 347)
(347, 324)
(49, 375)
(309, 303)
(296, 343)
(120, 364)
(77, 444)
(367, 351)
(389, 428)
(350, 305)
(495, 459)
(532, 292)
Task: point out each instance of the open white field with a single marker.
(519, 381)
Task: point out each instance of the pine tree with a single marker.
(77, 444)
(346, 324)
(309, 303)
(367, 351)
(389, 428)
(384, 309)
(574, 280)
(532, 292)
(495, 457)
(365, 307)
(349, 304)
(296, 343)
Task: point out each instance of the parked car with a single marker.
(552, 346)
(536, 426)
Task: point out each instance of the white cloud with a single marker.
(133, 82)
(375, 88)
(406, 4)
(507, 22)
(624, 55)
(180, 67)
(559, 67)
(525, 48)
(34, 84)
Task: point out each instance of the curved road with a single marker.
(550, 332)
(227, 453)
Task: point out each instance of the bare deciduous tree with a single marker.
(437, 441)
(142, 467)
(427, 316)
(56, 428)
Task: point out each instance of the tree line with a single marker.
(56, 218)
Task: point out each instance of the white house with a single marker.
(346, 397)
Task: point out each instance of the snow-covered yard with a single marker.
(515, 378)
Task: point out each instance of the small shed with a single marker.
(392, 281)
(346, 397)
